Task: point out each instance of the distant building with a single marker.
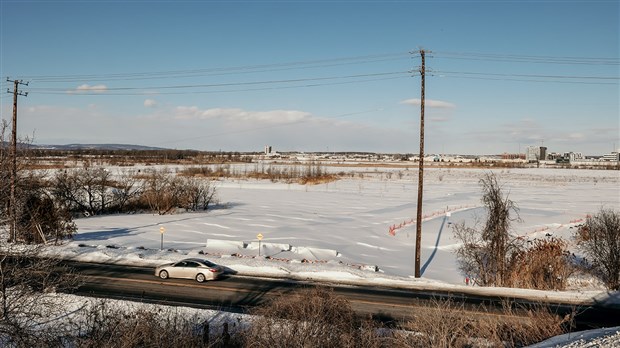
(612, 157)
(552, 156)
(536, 153)
(574, 156)
(513, 156)
(267, 150)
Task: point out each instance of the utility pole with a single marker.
(418, 233)
(13, 155)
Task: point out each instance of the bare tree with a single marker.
(5, 175)
(492, 256)
(37, 216)
(27, 299)
(489, 253)
(86, 189)
(164, 192)
(42, 219)
(126, 188)
(160, 191)
(197, 194)
(599, 238)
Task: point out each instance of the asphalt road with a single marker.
(239, 294)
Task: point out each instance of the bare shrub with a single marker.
(126, 190)
(34, 217)
(310, 318)
(109, 326)
(494, 257)
(488, 254)
(442, 325)
(196, 194)
(164, 192)
(42, 219)
(85, 189)
(161, 191)
(5, 174)
(518, 327)
(545, 265)
(599, 239)
(27, 299)
(446, 323)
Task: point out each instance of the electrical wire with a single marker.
(528, 58)
(220, 71)
(152, 89)
(528, 77)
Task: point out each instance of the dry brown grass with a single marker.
(545, 265)
(319, 318)
(310, 318)
(447, 324)
(323, 179)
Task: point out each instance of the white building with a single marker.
(536, 153)
(612, 157)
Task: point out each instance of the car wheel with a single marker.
(200, 277)
(163, 274)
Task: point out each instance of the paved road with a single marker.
(239, 293)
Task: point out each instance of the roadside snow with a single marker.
(602, 338)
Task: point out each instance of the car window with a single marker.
(181, 264)
(192, 264)
(208, 263)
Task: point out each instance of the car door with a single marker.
(178, 270)
(190, 269)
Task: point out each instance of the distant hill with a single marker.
(69, 147)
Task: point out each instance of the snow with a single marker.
(357, 230)
(600, 338)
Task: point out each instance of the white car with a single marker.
(198, 269)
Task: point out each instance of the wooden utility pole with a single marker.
(418, 224)
(13, 155)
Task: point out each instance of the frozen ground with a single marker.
(366, 222)
(355, 230)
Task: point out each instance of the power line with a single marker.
(221, 71)
(531, 75)
(528, 58)
(571, 79)
(526, 80)
(102, 90)
(148, 90)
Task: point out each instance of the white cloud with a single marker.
(439, 119)
(430, 103)
(89, 88)
(576, 136)
(150, 103)
(236, 114)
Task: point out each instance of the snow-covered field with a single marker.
(360, 229)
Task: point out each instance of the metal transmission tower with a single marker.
(13, 154)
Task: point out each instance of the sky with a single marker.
(315, 75)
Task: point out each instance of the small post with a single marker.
(259, 237)
(161, 232)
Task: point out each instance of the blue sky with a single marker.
(316, 75)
